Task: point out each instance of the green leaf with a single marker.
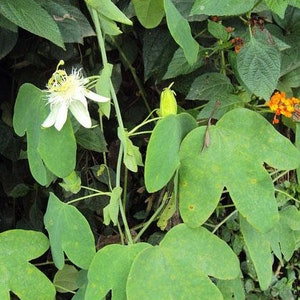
(45, 146)
(65, 280)
(109, 271)
(209, 86)
(69, 232)
(181, 32)
(132, 156)
(91, 139)
(8, 41)
(172, 274)
(180, 66)
(103, 87)
(108, 26)
(149, 12)
(57, 146)
(31, 17)
(239, 145)
(278, 6)
(158, 48)
(218, 31)
(221, 8)
(72, 24)
(72, 183)
(258, 65)
(108, 9)
(162, 157)
(30, 103)
(17, 247)
(260, 252)
(111, 211)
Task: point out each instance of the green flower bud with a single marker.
(168, 104)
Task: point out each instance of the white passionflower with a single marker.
(68, 92)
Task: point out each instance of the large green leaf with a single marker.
(239, 145)
(149, 12)
(69, 232)
(179, 267)
(30, 16)
(260, 252)
(45, 147)
(181, 32)
(109, 271)
(258, 64)
(162, 157)
(17, 247)
(221, 7)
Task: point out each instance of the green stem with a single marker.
(288, 195)
(148, 223)
(119, 118)
(224, 221)
(89, 196)
(142, 124)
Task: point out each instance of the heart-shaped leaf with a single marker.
(69, 232)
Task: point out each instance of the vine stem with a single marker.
(101, 43)
(224, 221)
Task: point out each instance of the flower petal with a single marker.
(61, 117)
(50, 120)
(81, 113)
(95, 97)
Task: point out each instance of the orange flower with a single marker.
(283, 106)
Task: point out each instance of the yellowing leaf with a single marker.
(17, 247)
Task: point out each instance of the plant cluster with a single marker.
(139, 154)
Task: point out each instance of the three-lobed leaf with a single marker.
(69, 232)
(109, 270)
(45, 146)
(17, 248)
(238, 146)
(179, 267)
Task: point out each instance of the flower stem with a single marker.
(119, 119)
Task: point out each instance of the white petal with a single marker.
(81, 113)
(50, 120)
(79, 96)
(61, 117)
(95, 97)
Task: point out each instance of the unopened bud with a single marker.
(168, 104)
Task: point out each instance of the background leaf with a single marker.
(259, 67)
(32, 17)
(149, 12)
(69, 232)
(181, 32)
(17, 247)
(219, 8)
(209, 86)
